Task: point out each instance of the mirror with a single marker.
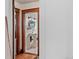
(26, 29)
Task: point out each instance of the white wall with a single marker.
(17, 5)
(56, 29)
(30, 5)
(8, 13)
(27, 5)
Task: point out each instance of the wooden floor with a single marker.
(26, 56)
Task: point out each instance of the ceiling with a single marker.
(25, 1)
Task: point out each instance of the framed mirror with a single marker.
(26, 29)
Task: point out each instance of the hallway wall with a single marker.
(56, 29)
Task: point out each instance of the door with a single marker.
(30, 31)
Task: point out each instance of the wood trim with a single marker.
(17, 34)
(30, 10)
(17, 10)
(23, 32)
(13, 27)
(38, 32)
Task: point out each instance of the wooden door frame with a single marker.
(17, 34)
(23, 32)
(13, 7)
